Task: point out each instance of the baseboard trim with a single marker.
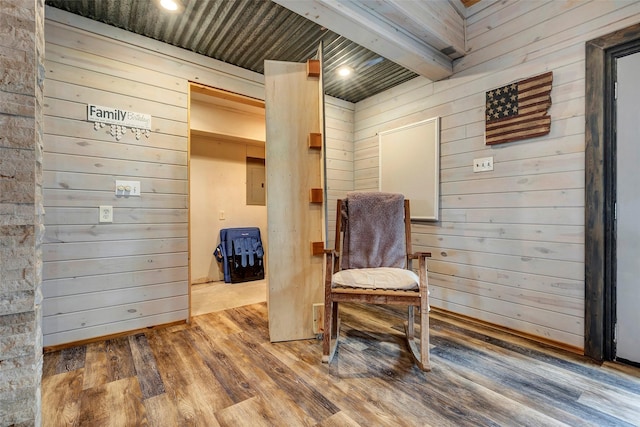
(531, 337)
(50, 349)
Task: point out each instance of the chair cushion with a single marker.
(377, 278)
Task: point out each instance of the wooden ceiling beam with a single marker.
(435, 22)
(370, 29)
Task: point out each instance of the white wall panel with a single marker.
(146, 245)
(108, 278)
(339, 127)
(521, 226)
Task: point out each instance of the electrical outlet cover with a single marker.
(318, 318)
(105, 214)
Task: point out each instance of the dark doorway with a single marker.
(600, 188)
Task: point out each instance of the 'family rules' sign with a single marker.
(116, 116)
(119, 120)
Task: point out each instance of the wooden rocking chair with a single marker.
(375, 267)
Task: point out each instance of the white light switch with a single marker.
(127, 188)
(106, 214)
(483, 164)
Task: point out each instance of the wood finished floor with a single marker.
(222, 370)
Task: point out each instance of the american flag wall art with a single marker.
(518, 110)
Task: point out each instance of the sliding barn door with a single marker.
(295, 207)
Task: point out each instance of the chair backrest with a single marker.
(373, 230)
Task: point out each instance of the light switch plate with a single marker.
(127, 188)
(106, 214)
(483, 164)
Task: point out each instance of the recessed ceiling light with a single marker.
(172, 5)
(345, 71)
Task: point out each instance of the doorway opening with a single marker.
(601, 189)
(226, 148)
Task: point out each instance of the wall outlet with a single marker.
(318, 318)
(106, 214)
(483, 164)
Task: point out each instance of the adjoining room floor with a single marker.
(218, 296)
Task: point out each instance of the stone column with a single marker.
(21, 210)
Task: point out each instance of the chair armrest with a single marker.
(331, 252)
(418, 255)
(332, 262)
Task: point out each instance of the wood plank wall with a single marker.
(102, 279)
(339, 126)
(509, 248)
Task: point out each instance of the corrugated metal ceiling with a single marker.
(246, 33)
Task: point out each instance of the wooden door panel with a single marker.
(293, 111)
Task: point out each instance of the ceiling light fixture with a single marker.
(345, 71)
(172, 5)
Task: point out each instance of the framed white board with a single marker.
(410, 164)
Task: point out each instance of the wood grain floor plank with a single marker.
(580, 373)
(525, 406)
(252, 320)
(217, 323)
(119, 359)
(545, 394)
(199, 376)
(96, 372)
(195, 399)
(474, 404)
(254, 409)
(626, 370)
(427, 407)
(125, 403)
(293, 352)
(221, 365)
(207, 394)
(341, 419)
(499, 408)
(489, 408)
(165, 354)
(162, 411)
(50, 363)
(278, 401)
(542, 357)
(221, 370)
(380, 329)
(145, 364)
(117, 403)
(195, 406)
(71, 359)
(621, 405)
(344, 386)
(393, 406)
(308, 398)
(61, 398)
(179, 393)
